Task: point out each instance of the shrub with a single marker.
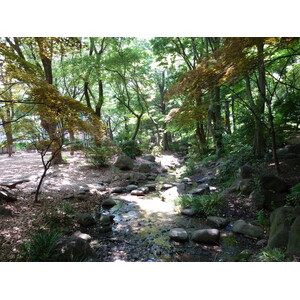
(60, 217)
(262, 219)
(99, 155)
(206, 204)
(40, 247)
(272, 255)
(131, 148)
(293, 198)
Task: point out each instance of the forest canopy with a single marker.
(198, 95)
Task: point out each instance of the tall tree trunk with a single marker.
(259, 138)
(50, 127)
(101, 98)
(72, 141)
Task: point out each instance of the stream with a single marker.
(140, 232)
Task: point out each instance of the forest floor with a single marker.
(140, 221)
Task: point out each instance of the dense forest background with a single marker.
(201, 96)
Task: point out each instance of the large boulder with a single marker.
(248, 229)
(293, 246)
(124, 162)
(210, 236)
(172, 193)
(73, 249)
(273, 183)
(282, 219)
(178, 235)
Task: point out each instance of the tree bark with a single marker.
(259, 138)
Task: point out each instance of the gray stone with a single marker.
(105, 220)
(5, 212)
(281, 221)
(246, 171)
(124, 162)
(131, 187)
(188, 212)
(86, 220)
(293, 246)
(82, 187)
(186, 179)
(166, 186)
(200, 190)
(108, 202)
(137, 192)
(144, 189)
(105, 223)
(149, 157)
(6, 196)
(117, 189)
(262, 243)
(73, 249)
(217, 222)
(83, 236)
(138, 177)
(145, 167)
(93, 175)
(248, 229)
(178, 235)
(172, 193)
(273, 183)
(101, 188)
(151, 187)
(209, 236)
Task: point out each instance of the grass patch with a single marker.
(272, 255)
(40, 247)
(208, 205)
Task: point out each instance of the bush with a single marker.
(99, 155)
(272, 255)
(59, 218)
(131, 148)
(40, 247)
(206, 204)
(293, 198)
(262, 219)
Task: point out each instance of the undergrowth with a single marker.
(40, 247)
(206, 204)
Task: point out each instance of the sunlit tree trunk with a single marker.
(50, 127)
